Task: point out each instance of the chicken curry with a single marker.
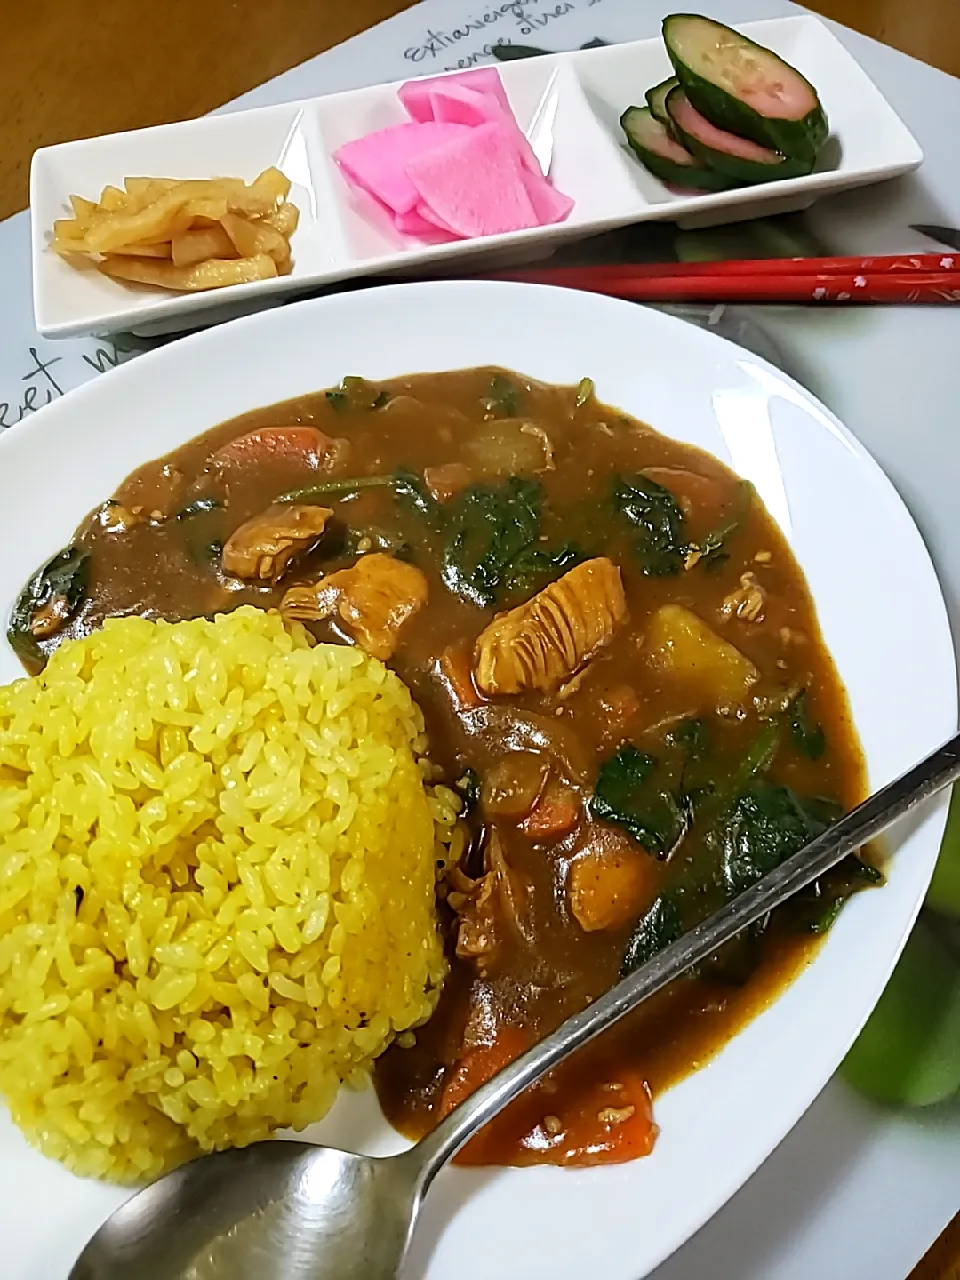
(621, 672)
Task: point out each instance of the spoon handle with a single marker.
(850, 833)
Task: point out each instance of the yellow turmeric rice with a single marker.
(218, 852)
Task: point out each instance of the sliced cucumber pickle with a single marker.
(657, 99)
(743, 88)
(665, 158)
(739, 160)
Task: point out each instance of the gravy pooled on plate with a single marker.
(621, 672)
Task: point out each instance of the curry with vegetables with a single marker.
(622, 676)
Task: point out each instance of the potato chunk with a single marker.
(681, 647)
(611, 882)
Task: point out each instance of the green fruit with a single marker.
(944, 892)
(909, 1051)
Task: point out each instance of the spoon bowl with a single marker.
(287, 1210)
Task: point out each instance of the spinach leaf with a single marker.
(487, 528)
(585, 391)
(758, 758)
(767, 824)
(662, 543)
(209, 552)
(807, 736)
(828, 914)
(690, 736)
(655, 514)
(199, 507)
(716, 800)
(327, 489)
(817, 908)
(356, 393)
(468, 788)
(504, 398)
(362, 541)
(49, 599)
(535, 567)
(657, 929)
(736, 962)
(629, 793)
(412, 493)
(711, 547)
(203, 549)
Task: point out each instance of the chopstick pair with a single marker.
(902, 279)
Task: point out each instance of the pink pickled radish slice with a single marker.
(451, 98)
(416, 222)
(377, 162)
(474, 184)
(433, 218)
(457, 104)
(415, 94)
(549, 204)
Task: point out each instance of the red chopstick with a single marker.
(910, 278)
(896, 264)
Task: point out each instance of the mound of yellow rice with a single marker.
(218, 855)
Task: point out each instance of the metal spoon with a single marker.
(294, 1211)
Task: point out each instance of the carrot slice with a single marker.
(596, 1122)
(574, 1117)
(278, 443)
(457, 672)
(610, 885)
(554, 814)
(480, 1064)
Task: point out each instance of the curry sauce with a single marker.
(621, 672)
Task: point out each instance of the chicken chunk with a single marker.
(492, 910)
(477, 925)
(542, 643)
(610, 882)
(747, 602)
(372, 599)
(262, 548)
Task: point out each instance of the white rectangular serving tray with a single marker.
(344, 235)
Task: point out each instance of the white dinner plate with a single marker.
(882, 616)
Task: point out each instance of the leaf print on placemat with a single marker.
(513, 52)
(950, 236)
